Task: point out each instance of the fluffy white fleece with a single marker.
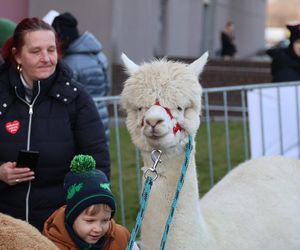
(256, 206)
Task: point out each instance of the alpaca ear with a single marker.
(198, 65)
(130, 66)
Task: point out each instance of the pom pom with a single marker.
(82, 163)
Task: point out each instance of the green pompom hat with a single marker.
(82, 163)
(84, 186)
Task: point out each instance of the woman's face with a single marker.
(38, 56)
(296, 47)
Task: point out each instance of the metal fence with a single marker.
(224, 107)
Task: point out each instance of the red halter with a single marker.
(177, 126)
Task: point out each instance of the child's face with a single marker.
(91, 228)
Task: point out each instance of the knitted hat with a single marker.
(295, 32)
(84, 186)
(7, 28)
(65, 26)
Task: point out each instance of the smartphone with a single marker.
(28, 158)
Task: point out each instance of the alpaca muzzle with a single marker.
(155, 117)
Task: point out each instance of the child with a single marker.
(86, 220)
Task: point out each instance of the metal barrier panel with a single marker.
(223, 141)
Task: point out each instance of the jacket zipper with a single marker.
(28, 139)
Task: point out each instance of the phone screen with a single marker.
(28, 159)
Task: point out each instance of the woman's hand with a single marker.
(12, 175)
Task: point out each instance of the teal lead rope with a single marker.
(140, 216)
(146, 192)
(155, 156)
(188, 150)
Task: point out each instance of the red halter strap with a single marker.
(177, 126)
(166, 109)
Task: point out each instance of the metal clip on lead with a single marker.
(155, 157)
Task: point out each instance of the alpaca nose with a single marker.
(154, 116)
(153, 121)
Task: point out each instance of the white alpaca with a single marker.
(256, 206)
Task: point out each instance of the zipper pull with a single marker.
(30, 110)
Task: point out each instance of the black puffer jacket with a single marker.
(65, 122)
(285, 65)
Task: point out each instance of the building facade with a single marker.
(144, 29)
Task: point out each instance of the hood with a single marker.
(54, 230)
(86, 43)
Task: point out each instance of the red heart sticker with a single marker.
(12, 127)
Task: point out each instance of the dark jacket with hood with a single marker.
(285, 64)
(61, 121)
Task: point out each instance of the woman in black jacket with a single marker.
(42, 109)
(286, 61)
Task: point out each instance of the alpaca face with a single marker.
(161, 126)
(163, 102)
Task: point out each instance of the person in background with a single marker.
(42, 109)
(228, 47)
(84, 55)
(7, 28)
(86, 221)
(285, 64)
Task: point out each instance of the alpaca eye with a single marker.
(140, 109)
(179, 108)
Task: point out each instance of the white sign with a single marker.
(273, 121)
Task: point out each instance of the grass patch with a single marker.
(219, 156)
